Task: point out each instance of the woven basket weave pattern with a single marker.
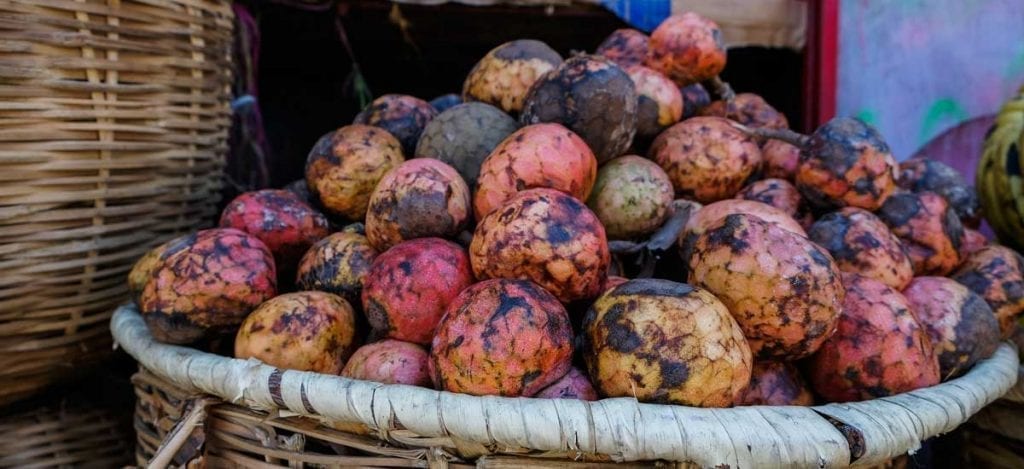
(63, 437)
(113, 125)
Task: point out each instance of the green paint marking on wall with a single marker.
(868, 116)
(942, 110)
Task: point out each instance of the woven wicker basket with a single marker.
(994, 437)
(74, 436)
(113, 124)
(415, 427)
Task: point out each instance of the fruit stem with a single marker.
(764, 133)
(723, 90)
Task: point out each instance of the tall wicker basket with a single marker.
(113, 125)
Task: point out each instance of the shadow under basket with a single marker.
(64, 436)
(994, 437)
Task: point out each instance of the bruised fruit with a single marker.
(574, 385)
(695, 98)
(345, 165)
(542, 155)
(710, 214)
(846, 163)
(706, 158)
(972, 242)
(748, 109)
(659, 105)
(143, 269)
(776, 383)
(687, 48)
(390, 362)
(547, 237)
(305, 331)
(408, 287)
(631, 197)
(996, 273)
(337, 264)
(445, 102)
(421, 198)
(591, 96)
(780, 194)
(781, 159)
(402, 116)
(502, 337)
(879, 348)
(923, 174)
(928, 228)
(962, 327)
(626, 47)
(464, 135)
(667, 343)
(784, 291)
(503, 77)
(208, 282)
(286, 224)
(860, 243)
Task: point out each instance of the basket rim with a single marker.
(859, 433)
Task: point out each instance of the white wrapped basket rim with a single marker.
(834, 435)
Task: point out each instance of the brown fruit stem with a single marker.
(763, 133)
(723, 90)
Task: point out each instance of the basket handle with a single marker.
(179, 435)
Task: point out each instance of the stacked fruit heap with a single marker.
(814, 255)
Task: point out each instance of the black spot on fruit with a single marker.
(557, 234)
(899, 209)
(526, 49)
(974, 281)
(377, 316)
(621, 337)
(953, 227)
(652, 287)
(673, 373)
(819, 258)
(406, 267)
(829, 232)
(729, 234)
(529, 377)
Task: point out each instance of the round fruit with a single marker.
(208, 281)
(706, 158)
(591, 96)
(345, 165)
(502, 337)
(781, 159)
(626, 47)
(421, 198)
(929, 230)
(879, 349)
(846, 163)
(923, 174)
(545, 236)
(996, 273)
(445, 102)
(660, 103)
(408, 287)
(503, 77)
(972, 242)
(860, 243)
(665, 342)
(710, 214)
(631, 197)
(784, 290)
(776, 383)
(962, 327)
(464, 135)
(695, 98)
(143, 269)
(286, 224)
(402, 116)
(687, 48)
(337, 264)
(390, 362)
(781, 194)
(748, 109)
(574, 385)
(305, 331)
(542, 155)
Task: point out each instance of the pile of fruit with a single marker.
(518, 245)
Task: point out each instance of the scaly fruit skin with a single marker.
(782, 195)
(996, 273)
(706, 158)
(659, 105)
(502, 337)
(547, 237)
(402, 116)
(305, 331)
(861, 243)
(707, 216)
(784, 290)
(972, 242)
(626, 47)
(962, 327)
(286, 224)
(574, 385)
(929, 229)
(421, 198)
(143, 269)
(665, 342)
(208, 282)
(688, 48)
(923, 174)
(776, 383)
(781, 159)
(748, 109)
(591, 96)
(464, 135)
(337, 264)
(504, 76)
(846, 163)
(542, 155)
(390, 362)
(879, 349)
(409, 286)
(631, 197)
(344, 167)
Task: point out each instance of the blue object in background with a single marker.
(644, 15)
